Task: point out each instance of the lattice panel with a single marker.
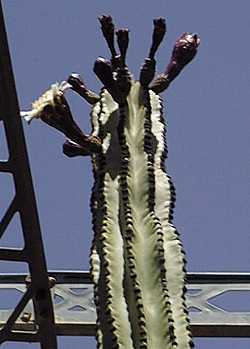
(75, 310)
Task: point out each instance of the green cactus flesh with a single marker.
(137, 261)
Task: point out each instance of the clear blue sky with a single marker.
(208, 111)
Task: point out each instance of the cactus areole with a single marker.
(137, 260)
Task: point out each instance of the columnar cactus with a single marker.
(137, 260)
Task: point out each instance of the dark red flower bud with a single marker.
(158, 35)
(103, 70)
(107, 25)
(159, 27)
(108, 30)
(185, 49)
(122, 41)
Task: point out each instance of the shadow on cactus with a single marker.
(137, 260)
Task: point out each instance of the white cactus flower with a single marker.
(47, 98)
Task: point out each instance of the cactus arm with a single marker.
(107, 251)
(77, 84)
(110, 248)
(173, 251)
(142, 229)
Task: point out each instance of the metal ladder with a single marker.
(23, 203)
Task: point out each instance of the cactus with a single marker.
(137, 261)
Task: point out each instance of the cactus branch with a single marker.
(147, 72)
(72, 149)
(104, 72)
(78, 85)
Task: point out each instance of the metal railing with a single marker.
(75, 310)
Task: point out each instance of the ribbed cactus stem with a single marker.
(108, 242)
(173, 251)
(138, 248)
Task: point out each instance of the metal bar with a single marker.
(5, 166)
(75, 310)
(72, 276)
(11, 210)
(19, 336)
(18, 158)
(13, 254)
(219, 277)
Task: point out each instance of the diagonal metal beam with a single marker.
(11, 210)
(18, 165)
(6, 331)
(75, 310)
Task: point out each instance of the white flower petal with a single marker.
(47, 98)
(64, 85)
(28, 115)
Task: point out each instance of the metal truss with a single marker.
(17, 166)
(75, 310)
